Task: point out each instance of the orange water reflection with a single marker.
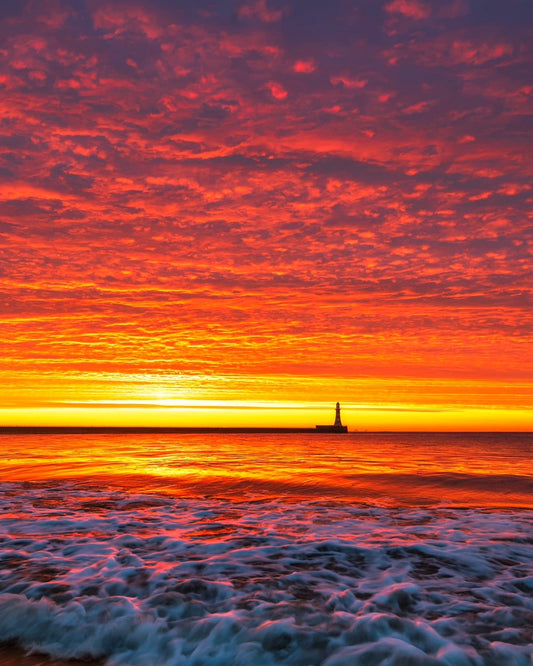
(466, 469)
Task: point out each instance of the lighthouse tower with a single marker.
(338, 423)
(337, 426)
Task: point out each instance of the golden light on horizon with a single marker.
(205, 400)
(358, 418)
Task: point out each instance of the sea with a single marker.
(220, 549)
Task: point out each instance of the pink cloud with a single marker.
(121, 19)
(348, 81)
(304, 66)
(386, 97)
(277, 90)
(410, 8)
(453, 9)
(478, 53)
(259, 10)
(419, 107)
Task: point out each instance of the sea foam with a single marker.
(152, 580)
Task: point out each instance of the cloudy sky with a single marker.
(272, 200)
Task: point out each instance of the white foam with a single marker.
(143, 579)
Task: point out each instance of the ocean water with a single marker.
(303, 549)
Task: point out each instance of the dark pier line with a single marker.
(111, 430)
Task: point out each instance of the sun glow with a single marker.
(198, 413)
(112, 399)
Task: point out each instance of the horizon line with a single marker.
(66, 429)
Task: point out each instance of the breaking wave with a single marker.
(146, 579)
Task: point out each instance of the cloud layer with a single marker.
(266, 188)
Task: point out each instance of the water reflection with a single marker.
(472, 469)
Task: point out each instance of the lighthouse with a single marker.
(337, 425)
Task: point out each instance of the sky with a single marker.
(241, 211)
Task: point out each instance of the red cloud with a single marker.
(160, 213)
(410, 8)
(348, 81)
(453, 9)
(125, 18)
(304, 66)
(467, 51)
(259, 9)
(277, 90)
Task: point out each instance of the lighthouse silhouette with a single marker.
(337, 425)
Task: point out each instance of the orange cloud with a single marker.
(162, 215)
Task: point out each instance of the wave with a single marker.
(153, 580)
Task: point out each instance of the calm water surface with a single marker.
(480, 470)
